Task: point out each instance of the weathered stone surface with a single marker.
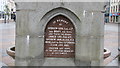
(32, 19)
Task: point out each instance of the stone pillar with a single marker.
(32, 19)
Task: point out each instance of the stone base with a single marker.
(59, 62)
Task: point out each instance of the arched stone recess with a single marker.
(59, 38)
(64, 12)
(61, 11)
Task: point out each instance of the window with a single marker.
(113, 1)
(111, 9)
(116, 18)
(116, 8)
(11, 9)
(119, 8)
(0, 15)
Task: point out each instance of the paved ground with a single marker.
(7, 36)
(7, 39)
(111, 42)
(2, 20)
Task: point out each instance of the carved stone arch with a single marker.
(64, 12)
(60, 11)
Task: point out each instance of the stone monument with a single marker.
(59, 34)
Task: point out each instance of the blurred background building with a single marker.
(2, 4)
(2, 7)
(107, 11)
(8, 8)
(114, 15)
(112, 10)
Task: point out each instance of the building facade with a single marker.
(2, 7)
(11, 5)
(2, 4)
(114, 11)
(119, 11)
(11, 9)
(107, 11)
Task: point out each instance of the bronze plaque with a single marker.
(59, 38)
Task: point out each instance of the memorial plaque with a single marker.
(59, 38)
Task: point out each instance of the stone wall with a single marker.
(32, 18)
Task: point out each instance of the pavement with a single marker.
(2, 21)
(111, 43)
(7, 39)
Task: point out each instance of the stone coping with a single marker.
(119, 48)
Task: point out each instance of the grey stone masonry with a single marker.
(32, 18)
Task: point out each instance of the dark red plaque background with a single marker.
(59, 38)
